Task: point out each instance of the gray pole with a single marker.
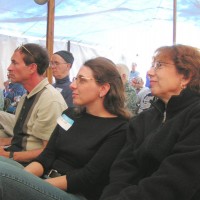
(174, 22)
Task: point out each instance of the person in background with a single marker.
(147, 83)
(61, 63)
(1, 100)
(12, 92)
(26, 133)
(144, 96)
(130, 93)
(133, 73)
(76, 161)
(144, 99)
(160, 159)
(138, 84)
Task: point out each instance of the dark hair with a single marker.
(34, 53)
(187, 61)
(66, 55)
(104, 71)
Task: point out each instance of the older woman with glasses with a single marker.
(161, 158)
(76, 161)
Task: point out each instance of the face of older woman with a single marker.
(165, 81)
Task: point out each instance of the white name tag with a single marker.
(65, 122)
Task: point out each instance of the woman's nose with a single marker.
(150, 72)
(72, 85)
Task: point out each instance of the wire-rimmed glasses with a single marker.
(56, 64)
(81, 79)
(159, 65)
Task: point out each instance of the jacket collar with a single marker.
(63, 80)
(177, 102)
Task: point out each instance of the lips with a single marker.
(152, 82)
(11, 76)
(74, 95)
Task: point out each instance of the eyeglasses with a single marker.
(159, 65)
(56, 64)
(22, 46)
(81, 79)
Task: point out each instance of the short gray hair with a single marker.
(123, 69)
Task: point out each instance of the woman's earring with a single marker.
(100, 95)
(183, 86)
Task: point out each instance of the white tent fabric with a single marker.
(123, 30)
(100, 22)
(81, 53)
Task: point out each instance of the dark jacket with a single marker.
(62, 85)
(161, 158)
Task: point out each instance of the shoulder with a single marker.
(192, 111)
(69, 111)
(99, 122)
(129, 88)
(117, 124)
(50, 98)
(52, 94)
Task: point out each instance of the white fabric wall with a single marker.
(81, 53)
(7, 46)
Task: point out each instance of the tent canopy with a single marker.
(129, 30)
(107, 23)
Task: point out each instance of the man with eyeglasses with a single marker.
(37, 111)
(61, 63)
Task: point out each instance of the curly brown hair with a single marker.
(187, 61)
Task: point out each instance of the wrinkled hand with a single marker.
(137, 82)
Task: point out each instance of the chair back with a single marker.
(7, 103)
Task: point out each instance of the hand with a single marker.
(59, 182)
(137, 82)
(3, 152)
(5, 141)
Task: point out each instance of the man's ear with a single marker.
(123, 76)
(69, 65)
(33, 67)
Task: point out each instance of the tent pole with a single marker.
(68, 45)
(174, 22)
(50, 34)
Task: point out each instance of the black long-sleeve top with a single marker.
(161, 158)
(85, 152)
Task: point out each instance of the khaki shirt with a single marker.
(41, 118)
